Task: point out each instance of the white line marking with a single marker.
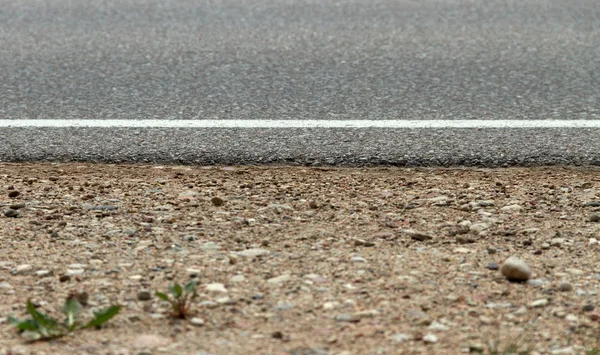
(52, 123)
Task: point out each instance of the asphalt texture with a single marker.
(289, 59)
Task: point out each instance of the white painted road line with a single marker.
(53, 123)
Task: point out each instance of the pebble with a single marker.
(346, 317)
(216, 287)
(565, 287)
(511, 208)
(11, 213)
(13, 193)
(144, 295)
(217, 201)
(515, 269)
(328, 306)
(17, 206)
(493, 266)
(197, 321)
(23, 269)
(75, 272)
(280, 279)
(588, 308)
(238, 278)
(594, 218)
(416, 235)
(430, 338)
(539, 303)
(358, 259)
(251, 253)
(537, 282)
(557, 242)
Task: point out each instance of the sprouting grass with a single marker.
(181, 298)
(43, 327)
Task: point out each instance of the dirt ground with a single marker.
(302, 261)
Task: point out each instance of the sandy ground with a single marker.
(301, 261)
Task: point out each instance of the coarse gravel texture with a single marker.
(296, 260)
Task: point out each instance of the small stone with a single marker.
(198, 322)
(328, 306)
(515, 269)
(144, 295)
(5, 285)
(545, 246)
(64, 278)
(216, 287)
(23, 269)
(13, 193)
(17, 206)
(492, 250)
(438, 327)
(75, 272)
(358, 259)
(416, 235)
(588, 308)
(238, 278)
(251, 253)
(539, 303)
(511, 208)
(280, 279)
(217, 201)
(594, 218)
(537, 282)
(557, 242)
(345, 317)
(11, 213)
(430, 338)
(565, 286)
(493, 266)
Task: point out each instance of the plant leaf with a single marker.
(43, 320)
(27, 324)
(176, 290)
(162, 296)
(103, 316)
(191, 286)
(71, 309)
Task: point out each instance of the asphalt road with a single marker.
(288, 59)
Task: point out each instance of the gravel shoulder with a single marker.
(300, 261)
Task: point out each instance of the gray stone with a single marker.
(515, 269)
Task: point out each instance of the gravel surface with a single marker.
(295, 260)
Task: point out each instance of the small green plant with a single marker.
(182, 298)
(43, 327)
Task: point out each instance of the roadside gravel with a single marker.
(300, 261)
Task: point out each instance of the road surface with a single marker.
(438, 60)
